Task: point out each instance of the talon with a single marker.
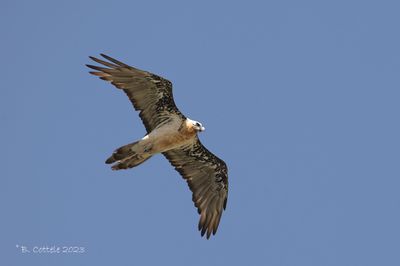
(148, 148)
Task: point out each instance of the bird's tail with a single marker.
(127, 156)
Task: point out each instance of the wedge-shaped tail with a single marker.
(127, 156)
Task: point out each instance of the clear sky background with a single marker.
(300, 98)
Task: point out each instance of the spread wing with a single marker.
(150, 94)
(207, 177)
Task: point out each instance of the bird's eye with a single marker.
(197, 124)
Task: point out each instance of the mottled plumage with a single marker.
(169, 133)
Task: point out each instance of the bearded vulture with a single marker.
(171, 133)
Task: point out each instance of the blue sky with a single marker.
(300, 98)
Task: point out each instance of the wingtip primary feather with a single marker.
(108, 64)
(110, 160)
(95, 67)
(115, 61)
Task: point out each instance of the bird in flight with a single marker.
(171, 133)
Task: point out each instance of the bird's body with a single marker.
(173, 134)
(168, 132)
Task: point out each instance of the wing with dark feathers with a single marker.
(207, 177)
(150, 94)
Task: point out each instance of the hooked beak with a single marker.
(202, 128)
